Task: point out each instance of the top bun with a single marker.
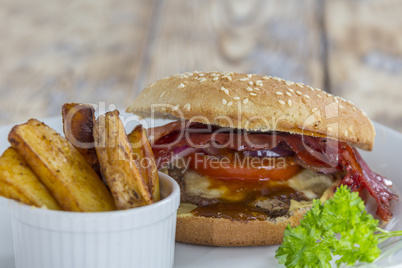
(255, 103)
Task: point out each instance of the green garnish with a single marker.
(339, 227)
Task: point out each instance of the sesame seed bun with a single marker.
(256, 103)
(224, 232)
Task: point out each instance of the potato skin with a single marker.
(117, 164)
(17, 181)
(64, 171)
(78, 122)
(145, 159)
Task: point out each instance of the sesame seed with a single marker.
(266, 77)
(312, 89)
(224, 101)
(256, 89)
(279, 93)
(336, 99)
(183, 76)
(289, 94)
(249, 89)
(251, 83)
(163, 93)
(307, 96)
(187, 106)
(314, 110)
(202, 79)
(253, 94)
(277, 78)
(189, 74)
(354, 109)
(176, 107)
(329, 95)
(346, 133)
(258, 82)
(226, 91)
(290, 102)
(300, 85)
(330, 129)
(249, 75)
(236, 98)
(350, 129)
(243, 79)
(340, 106)
(215, 78)
(299, 93)
(181, 85)
(227, 77)
(245, 100)
(153, 84)
(281, 102)
(201, 75)
(319, 96)
(230, 103)
(318, 89)
(291, 90)
(364, 113)
(288, 83)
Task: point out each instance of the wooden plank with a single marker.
(56, 51)
(365, 55)
(91, 51)
(280, 38)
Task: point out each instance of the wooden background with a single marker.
(54, 51)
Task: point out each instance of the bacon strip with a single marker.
(318, 154)
(155, 133)
(360, 176)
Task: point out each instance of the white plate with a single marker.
(384, 159)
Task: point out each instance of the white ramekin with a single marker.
(140, 237)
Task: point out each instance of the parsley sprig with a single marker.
(339, 227)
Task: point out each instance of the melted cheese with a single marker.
(185, 209)
(329, 193)
(198, 185)
(299, 204)
(311, 184)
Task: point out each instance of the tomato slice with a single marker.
(250, 168)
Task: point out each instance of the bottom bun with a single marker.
(224, 232)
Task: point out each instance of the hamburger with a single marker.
(251, 152)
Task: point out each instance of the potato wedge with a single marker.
(117, 164)
(17, 181)
(64, 171)
(145, 160)
(78, 122)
